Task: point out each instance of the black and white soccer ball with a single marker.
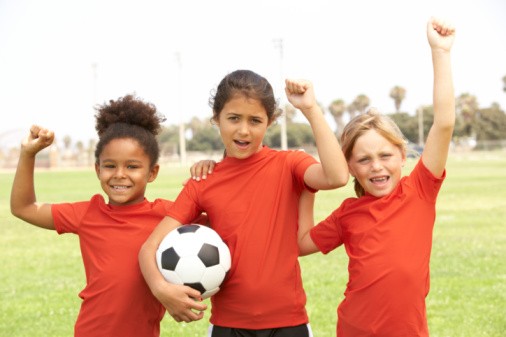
(196, 256)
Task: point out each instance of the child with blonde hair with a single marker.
(387, 229)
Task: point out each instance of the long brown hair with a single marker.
(248, 84)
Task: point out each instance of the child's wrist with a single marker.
(314, 110)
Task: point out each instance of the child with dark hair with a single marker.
(116, 300)
(252, 200)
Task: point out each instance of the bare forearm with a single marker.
(23, 191)
(147, 255)
(306, 245)
(149, 269)
(440, 35)
(443, 95)
(329, 151)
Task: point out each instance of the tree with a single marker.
(80, 146)
(352, 110)
(299, 135)
(196, 125)
(290, 113)
(169, 140)
(491, 124)
(504, 83)
(398, 94)
(409, 124)
(466, 107)
(67, 141)
(207, 138)
(337, 109)
(360, 103)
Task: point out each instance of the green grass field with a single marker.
(42, 273)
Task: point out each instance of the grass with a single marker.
(42, 274)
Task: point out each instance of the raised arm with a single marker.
(440, 35)
(177, 299)
(333, 170)
(24, 203)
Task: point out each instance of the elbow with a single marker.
(339, 181)
(340, 177)
(17, 212)
(344, 179)
(142, 254)
(146, 255)
(306, 245)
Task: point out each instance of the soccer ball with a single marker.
(196, 256)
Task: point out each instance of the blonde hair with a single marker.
(371, 120)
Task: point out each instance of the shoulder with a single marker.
(95, 200)
(296, 157)
(162, 203)
(422, 182)
(422, 173)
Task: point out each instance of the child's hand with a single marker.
(440, 34)
(300, 94)
(200, 170)
(179, 300)
(38, 139)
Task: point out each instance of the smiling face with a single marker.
(242, 123)
(376, 163)
(124, 171)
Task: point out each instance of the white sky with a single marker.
(47, 49)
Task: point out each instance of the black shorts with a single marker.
(303, 330)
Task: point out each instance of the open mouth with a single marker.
(120, 187)
(241, 144)
(379, 180)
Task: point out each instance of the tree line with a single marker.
(472, 122)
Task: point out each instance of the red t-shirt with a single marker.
(116, 299)
(388, 241)
(253, 205)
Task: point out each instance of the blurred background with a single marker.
(59, 59)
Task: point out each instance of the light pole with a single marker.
(92, 143)
(182, 139)
(278, 44)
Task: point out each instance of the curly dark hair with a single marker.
(129, 117)
(250, 85)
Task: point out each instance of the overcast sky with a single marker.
(58, 58)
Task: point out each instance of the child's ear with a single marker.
(97, 169)
(350, 169)
(153, 173)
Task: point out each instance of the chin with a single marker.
(380, 194)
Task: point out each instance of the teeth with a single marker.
(120, 187)
(378, 180)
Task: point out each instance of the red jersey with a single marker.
(116, 299)
(253, 205)
(388, 241)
